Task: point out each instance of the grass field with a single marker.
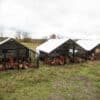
(31, 45)
(68, 82)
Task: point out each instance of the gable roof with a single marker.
(51, 45)
(8, 39)
(88, 45)
(2, 38)
(4, 41)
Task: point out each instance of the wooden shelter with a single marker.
(14, 55)
(92, 48)
(61, 51)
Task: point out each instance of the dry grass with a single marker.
(31, 45)
(69, 82)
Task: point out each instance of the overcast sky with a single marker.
(77, 18)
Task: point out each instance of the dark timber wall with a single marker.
(69, 50)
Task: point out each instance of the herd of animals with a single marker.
(25, 63)
(12, 63)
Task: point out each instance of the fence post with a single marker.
(37, 62)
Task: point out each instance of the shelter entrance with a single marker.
(10, 58)
(15, 55)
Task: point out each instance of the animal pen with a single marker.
(14, 55)
(65, 51)
(92, 48)
(61, 51)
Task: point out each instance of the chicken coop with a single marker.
(15, 55)
(61, 51)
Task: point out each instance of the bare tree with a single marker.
(18, 35)
(1, 34)
(25, 35)
(52, 36)
(60, 37)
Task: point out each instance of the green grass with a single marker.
(32, 45)
(68, 82)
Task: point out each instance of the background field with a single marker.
(68, 82)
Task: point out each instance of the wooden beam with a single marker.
(86, 54)
(73, 52)
(37, 62)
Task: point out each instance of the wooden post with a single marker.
(27, 52)
(17, 51)
(18, 58)
(73, 52)
(37, 62)
(4, 52)
(86, 56)
(4, 60)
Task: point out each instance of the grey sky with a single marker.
(43, 17)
